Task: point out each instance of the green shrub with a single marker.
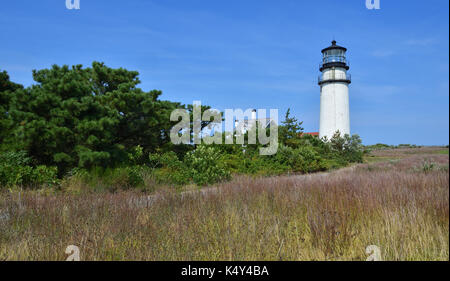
(16, 170)
(348, 148)
(205, 165)
(285, 156)
(263, 165)
(15, 158)
(307, 160)
(334, 163)
(28, 176)
(133, 176)
(136, 155)
(303, 159)
(168, 169)
(234, 162)
(166, 160)
(169, 176)
(428, 166)
(112, 179)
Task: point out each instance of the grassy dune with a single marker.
(400, 204)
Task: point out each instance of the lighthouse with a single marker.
(333, 82)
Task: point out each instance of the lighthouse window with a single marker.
(334, 55)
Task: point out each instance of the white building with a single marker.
(334, 100)
(243, 126)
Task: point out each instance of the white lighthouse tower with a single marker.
(334, 81)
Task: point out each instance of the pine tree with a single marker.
(84, 117)
(290, 131)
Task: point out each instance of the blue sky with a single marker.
(254, 54)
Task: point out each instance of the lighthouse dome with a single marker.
(334, 47)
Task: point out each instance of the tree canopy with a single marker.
(82, 117)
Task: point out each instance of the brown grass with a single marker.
(405, 152)
(402, 206)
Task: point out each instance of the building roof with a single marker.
(315, 134)
(334, 46)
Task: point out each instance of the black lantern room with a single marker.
(334, 56)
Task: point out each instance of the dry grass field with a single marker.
(398, 201)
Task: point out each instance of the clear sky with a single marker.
(254, 54)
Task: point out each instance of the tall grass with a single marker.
(395, 205)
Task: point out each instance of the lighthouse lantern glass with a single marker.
(334, 55)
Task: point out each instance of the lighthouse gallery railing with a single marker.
(344, 77)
